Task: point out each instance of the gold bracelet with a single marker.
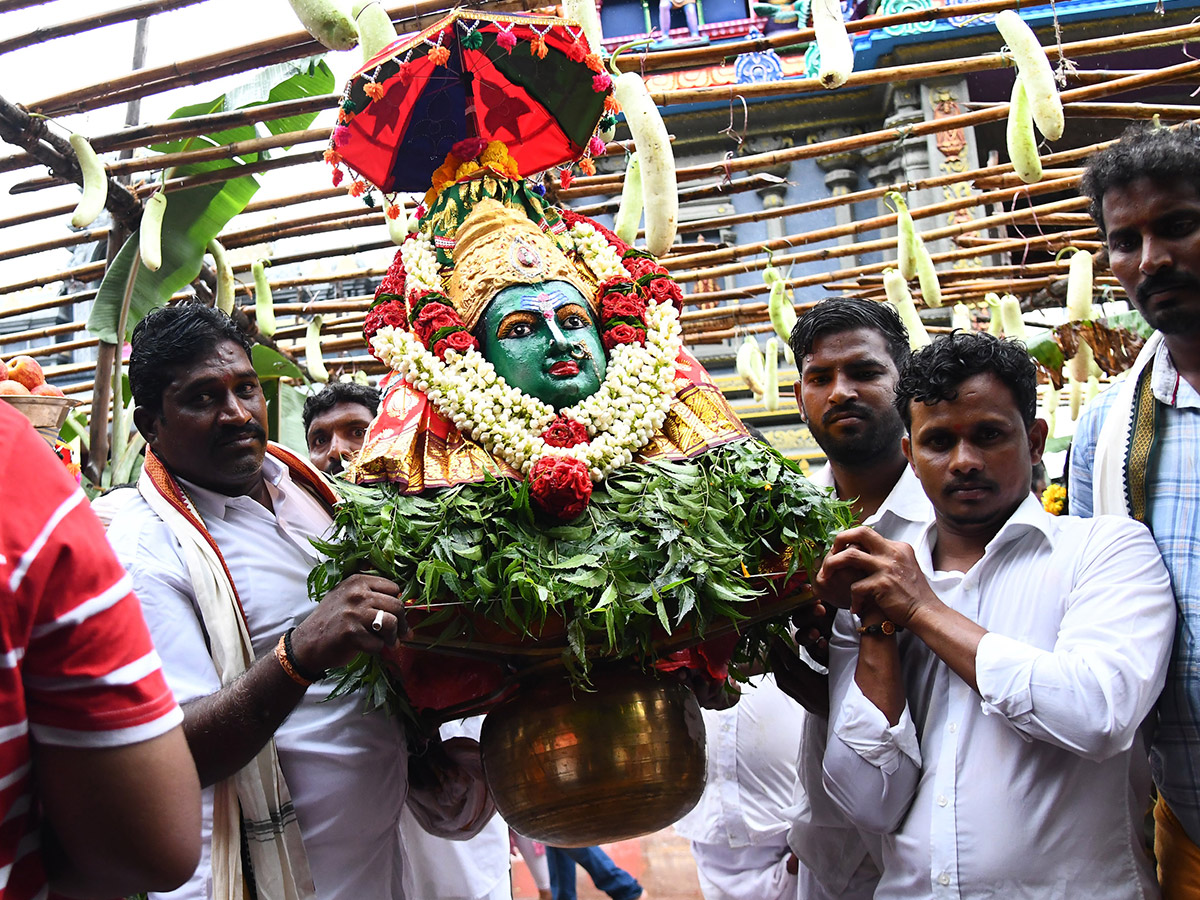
(286, 664)
(882, 629)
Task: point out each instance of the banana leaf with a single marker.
(195, 216)
(285, 403)
(1043, 348)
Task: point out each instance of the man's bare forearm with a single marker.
(951, 636)
(878, 674)
(226, 730)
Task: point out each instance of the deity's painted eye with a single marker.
(516, 325)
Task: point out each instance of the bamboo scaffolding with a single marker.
(89, 23)
(915, 71)
(611, 183)
(870, 225)
(234, 61)
(716, 54)
(226, 152)
(22, 130)
(1063, 239)
(191, 126)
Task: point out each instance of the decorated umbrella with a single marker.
(531, 82)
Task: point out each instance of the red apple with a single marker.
(3, 370)
(13, 388)
(48, 390)
(25, 369)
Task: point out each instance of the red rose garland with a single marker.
(560, 486)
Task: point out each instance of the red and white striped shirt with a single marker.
(76, 664)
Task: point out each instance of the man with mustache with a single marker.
(336, 419)
(988, 705)
(303, 792)
(1136, 446)
(849, 353)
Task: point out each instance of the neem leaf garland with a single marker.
(662, 545)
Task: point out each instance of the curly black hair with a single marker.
(170, 338)
(334, 394)
(840, 314)
(1166, 155)
(933, 373)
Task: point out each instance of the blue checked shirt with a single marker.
(1173, 514)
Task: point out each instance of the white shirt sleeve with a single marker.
(871, 768)
(1091, 692)
(161, 584)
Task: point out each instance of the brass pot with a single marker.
(572, 771)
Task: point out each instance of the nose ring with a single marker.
(578, 351)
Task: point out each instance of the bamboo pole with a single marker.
(1169, 111)
(282, 231)
(283, 228)
(226, 152)
(611, 183)
(85, 273)
(293, 199)
(64, 347)
(70, 240)
(92, 22)
(32, 334)
(10, 5)
(230, 172)
(686, 195)
(37, 215)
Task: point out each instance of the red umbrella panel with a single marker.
(531, 82)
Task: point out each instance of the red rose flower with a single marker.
(564, 432)
(617, 285)
(469, 148)
(459, 341)
(560, 486)
(637, 266)
(615, 304)
(432, 317)
(623, 334)
(390, 313)
(665, 290)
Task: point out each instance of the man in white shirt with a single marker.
(302, 785)
(739, 828)
(997, 742)
(849, 352)
(436, 868)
